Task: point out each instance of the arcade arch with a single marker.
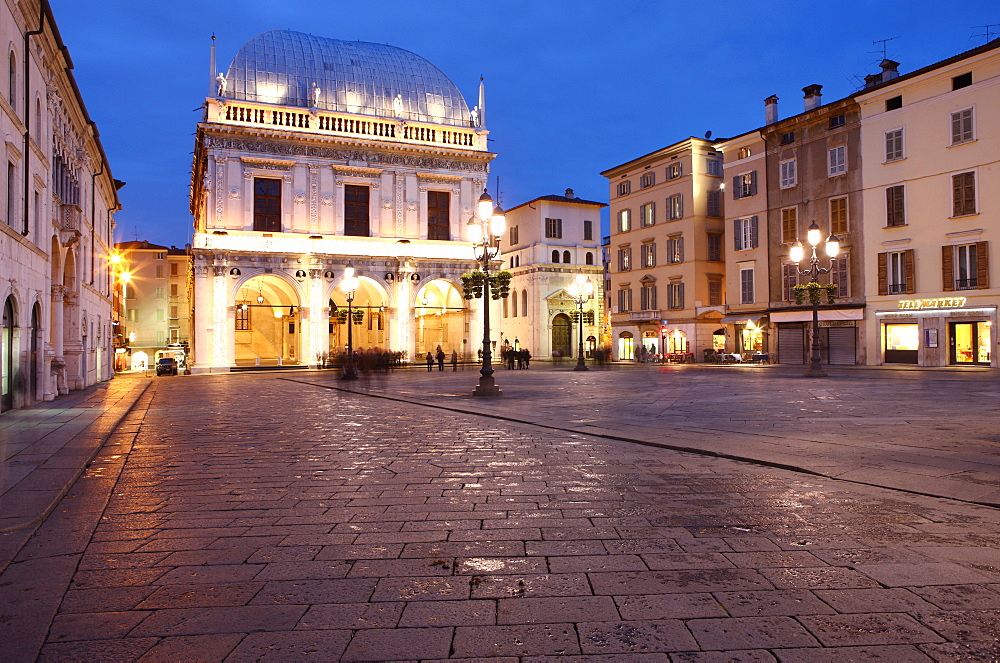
(371, 319)
(266, 329)
(440, 316)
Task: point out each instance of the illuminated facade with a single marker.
(932, 208)
(315, 154)
(549, 241)
(666, 250)
(57, 199)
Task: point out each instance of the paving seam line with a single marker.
(79, 473)
(649, 443)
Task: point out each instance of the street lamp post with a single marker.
(796, 253)
(349, 285)
(485, 231)
(581, 290)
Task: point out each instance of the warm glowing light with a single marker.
(797, 252)
(498, 222)
(125, 277)
(475, 231)
(832, 246)
(485, 206)
(115, 258)
(813, 234)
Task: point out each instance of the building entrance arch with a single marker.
(370, 326)
(440, 315)
(267, 330)
(7, 355)
(561, 336)
(140, 361)
(626, 346)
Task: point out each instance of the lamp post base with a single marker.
(580, 366)
(349, 374)
(814, 372)
(487, 387)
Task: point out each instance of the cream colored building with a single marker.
(549, 241)
(932, 211)
(57, 203)
(667, 256)
(315, 154)
(157, 307)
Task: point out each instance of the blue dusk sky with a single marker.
(573, 87)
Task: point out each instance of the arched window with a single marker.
(566, 258)
(505, 307)
(555, 256)
(524, 303)
(38, 120)
(12, 89)
(513, 311)
(518, 259)
(590, 258)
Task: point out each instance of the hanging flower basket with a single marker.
(500, 285)
(814, 291)
(359, 316)
(340, 316)
(472, 284)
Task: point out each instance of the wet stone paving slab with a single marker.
(254, 518)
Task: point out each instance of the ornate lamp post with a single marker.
(485, 231)
(582, 290)
(349, 285)
(796, 253)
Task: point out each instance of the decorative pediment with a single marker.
(268, 164)
(356, 171)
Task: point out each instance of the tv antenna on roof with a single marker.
(883, 42)
(988, 31)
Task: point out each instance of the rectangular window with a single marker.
(159, 315)
(715, 204)
(674, 171)
(961, 127)
(840, 276)
(837, 121)
(787, 138)
(356, 210)
(588, 230)
(513, 234)
(624, 259)
(159, 272)
(714, 292)
(715, 247)
(966, 267)
(173, 312)
(624, 300)
(746, 285)
(647, 180)
(787, 176)
(838, 160)
(173, 289)
(648, 254)
(896, 281)
(893, 103)
(962, 80)
(963, 188)
(161, 256)
(647, 298)
(894, 145)
(789, 279)
(675, 295)
(438, 215)
(675, 250)
(624, 220)
(745, 233)
(648, 214)
(173, 269)
(266, 205)
(838, 215)
(745, 185)
(789, 225)
(714, 167)
(242, 318)
(553, 228)
(675, 207)
(624, 188)
(894, 212)
(160, 337)
(158, 293)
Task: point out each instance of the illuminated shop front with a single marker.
(937, 332)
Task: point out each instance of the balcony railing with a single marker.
(897, 288)
(967, 284)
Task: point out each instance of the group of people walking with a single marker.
(439, 356)
(510, 357)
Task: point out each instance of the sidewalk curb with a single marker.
(63, 490)
(649, 443)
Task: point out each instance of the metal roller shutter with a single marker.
(843, 345)
(791, 344)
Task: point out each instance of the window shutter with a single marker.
(956, 195)
(883, 273)
(956, 128)
(680, 206)
(737, 236)
(736, 188)
(982, 264)
(753, 232)
(680, 295)
(947, 268)
(910, 271)
(680, 249)
(753, 183)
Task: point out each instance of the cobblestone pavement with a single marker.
(256, 517)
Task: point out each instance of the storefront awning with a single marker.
(806, 315)
(735, 319)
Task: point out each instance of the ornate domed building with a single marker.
(317, 154)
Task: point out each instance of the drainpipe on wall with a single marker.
(27, 114)
(93, 221)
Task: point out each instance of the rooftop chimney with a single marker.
(570, 194)
(889, 70)
(771, 109)
(871, 80)
(813, 97)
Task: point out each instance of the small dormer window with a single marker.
(962, 80)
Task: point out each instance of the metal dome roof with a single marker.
(285, 67)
